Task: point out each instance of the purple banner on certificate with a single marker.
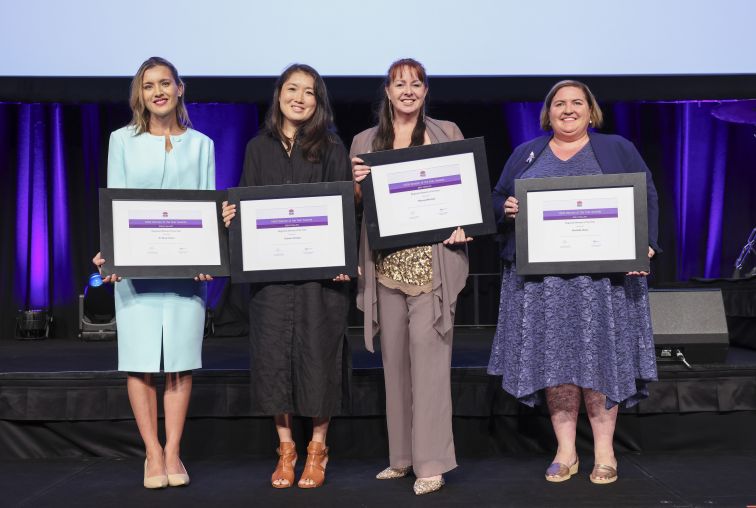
(292, 222)
(165, 223)
(426, 183)
(590, 213)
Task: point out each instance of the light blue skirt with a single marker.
(160, 318)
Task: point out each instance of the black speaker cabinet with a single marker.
(691, 321)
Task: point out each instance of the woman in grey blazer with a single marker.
(410, 295)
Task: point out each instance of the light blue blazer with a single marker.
(160, 317)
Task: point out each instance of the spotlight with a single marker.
(97, 311)
(33, 324)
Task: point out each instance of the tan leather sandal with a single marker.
(603, 474)
(287, 454)
(314, 470)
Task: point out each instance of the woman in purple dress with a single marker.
(578, 336)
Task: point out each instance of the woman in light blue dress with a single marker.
(160, 319)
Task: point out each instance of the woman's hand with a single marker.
(457, 236)
(98, 262)
(644, 274)
(359, 169)
(228, 213)
(511, 207)
(203, 278)
(342, 278)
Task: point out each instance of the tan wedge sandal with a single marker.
(603, 474)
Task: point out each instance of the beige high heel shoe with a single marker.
(154, 482)
(179, 479)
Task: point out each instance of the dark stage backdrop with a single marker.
(53, 159)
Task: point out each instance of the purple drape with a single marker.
(53, 160)
(700, 165)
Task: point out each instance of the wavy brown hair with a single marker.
(596, 118)
(313, 134)
(140, 114)
(384, 138)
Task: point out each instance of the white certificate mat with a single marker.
(581, 225)
(165, 233)
(292, 233)
(433, 193)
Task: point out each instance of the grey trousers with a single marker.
(417, 371)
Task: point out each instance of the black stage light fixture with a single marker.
(745, 265)
(97, 319)
(33, 324)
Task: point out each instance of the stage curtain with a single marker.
(53, 161)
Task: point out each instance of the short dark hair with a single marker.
(597, 117)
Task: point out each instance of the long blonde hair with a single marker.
(140, 114)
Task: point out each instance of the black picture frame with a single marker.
(476, 146)
(604, 181)
(344, 189)
(107, 196)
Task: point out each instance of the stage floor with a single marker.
(65, 398)
(647, 480)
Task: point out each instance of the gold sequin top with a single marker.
(412, 266)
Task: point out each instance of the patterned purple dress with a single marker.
(589, 331)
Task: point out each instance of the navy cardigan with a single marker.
(615, 154)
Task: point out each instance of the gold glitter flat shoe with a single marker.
(558, 472)
(423, 486)
(392, 473)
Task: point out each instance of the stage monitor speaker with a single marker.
(691, 322)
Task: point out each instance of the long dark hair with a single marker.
(384, 138)
(140, 118)
(312, 135)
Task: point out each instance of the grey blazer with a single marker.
(450, 264)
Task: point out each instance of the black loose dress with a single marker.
(299, 358)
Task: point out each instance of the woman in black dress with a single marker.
(299, 355)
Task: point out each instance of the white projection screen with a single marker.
(340, 38)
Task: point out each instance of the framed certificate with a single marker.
(582, 224)
(418, 195)
(163, 234)
(293, 232)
